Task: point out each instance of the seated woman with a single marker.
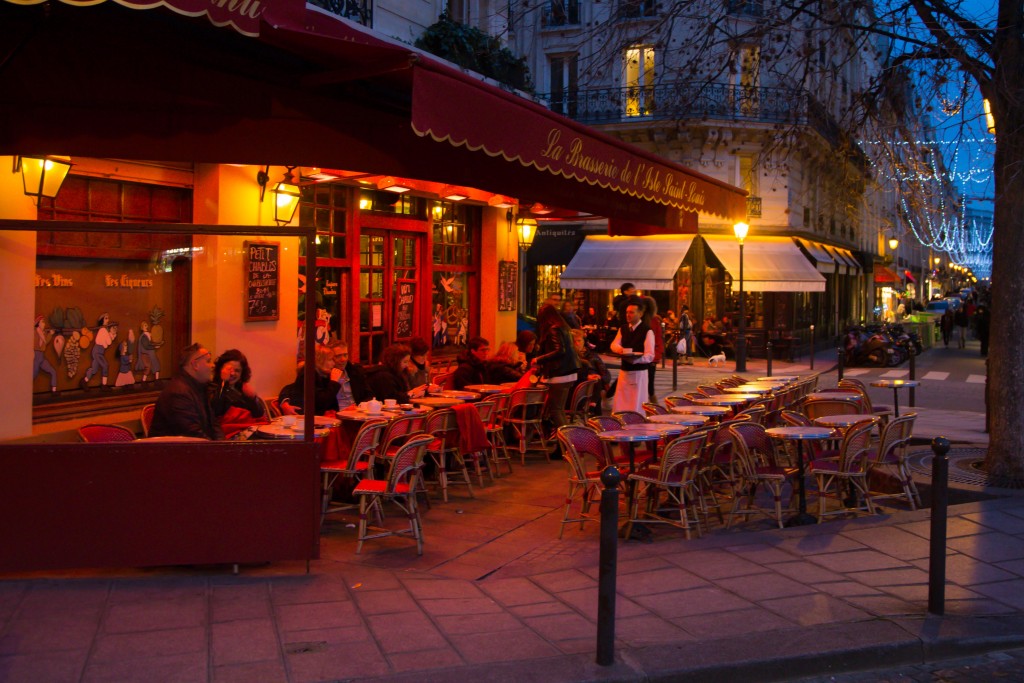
(388, 380)
(418, 371)
(235, 403)
(507, 365)
(591, 365)
(325, 390)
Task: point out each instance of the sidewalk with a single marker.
(496, 596)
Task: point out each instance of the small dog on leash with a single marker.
(716, 360)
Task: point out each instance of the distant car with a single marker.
(940, 305)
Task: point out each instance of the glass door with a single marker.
(385, 258)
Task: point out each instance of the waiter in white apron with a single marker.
(635, 343)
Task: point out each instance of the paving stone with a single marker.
(646, 630)
(459, 624)
(761, 553)
(250, 672)
(426, 659)
(585, 602)
(512, 646)
(955, 526)
(903, 576)
(894, 542)
(845, 587)
(1008, 592)
(715, 564)
(177, 668)
(763, 587)
(405, 633)
(63, 666)
(27, 635)
(808, 610)
(335, 663)
(1000, 521)
(658, 581)
(816, 544)
(857, 561)
(886, 605)
(129, 617)
(993, 547)
(691, 602)
(384, 601)
(804, 572)
(430, 589)
(249, 640)
(169, 589)
(58, 600)
(228, 603)
(354, 633)
(555, 582)
(460, 606)
(732, 623)
(148, 644)
(566, 626)
(515, 591)
(296, 591)
(540, 609)
(305, 616)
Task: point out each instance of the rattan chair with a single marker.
(675, 476)
(100, 433)
(835, 477)
(353, 468)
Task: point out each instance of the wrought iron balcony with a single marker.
(560, 13)
(687, 100)
(753, 207)
(359, 11)
(745, 8)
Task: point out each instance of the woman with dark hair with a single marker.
(556, 361)
(235, 403)
(526, 340)
(388, 380)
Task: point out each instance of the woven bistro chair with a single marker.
(449, 464)
(889, 462)
(675, 476)
(757, 465)
(843, 478)
(524, 416)
(354, 468)
(580, 401)
(100, 433)
(494, 426)
(146, 417)
(581, 445)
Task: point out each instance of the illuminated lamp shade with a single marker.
(740, 230)
(392, 185)
(540, 210)
(42, 176)
(527, 229)
(453, 194)
(893, 243)
(286, 198)
(500, 201)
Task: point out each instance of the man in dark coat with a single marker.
(183, 408)
(472, 363)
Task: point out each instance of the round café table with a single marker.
(834, 395)
(627, 440)
(437, 401)
(841, 422)
(679, 418)
(895, 385)
(666, 430)
(486, 389)
(726, 400)
(779, 378)
(276, 430)
(749, 389)
(800, 434)
(466, 396)
(707, 411)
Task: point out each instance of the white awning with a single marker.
(843, 266)
(820, 257)
(770, 264)
(604, 262)
(850, 259)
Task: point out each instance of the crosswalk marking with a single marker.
(975, 379)
(895, 374)
(934, 374)
(855, 372)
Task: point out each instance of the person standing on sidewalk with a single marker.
(960, 317)
(653, 321)
(686, 333)
(557, 362)
(635, 342)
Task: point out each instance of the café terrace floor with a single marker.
(496, 596)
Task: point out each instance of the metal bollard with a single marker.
(937, 545)
(608, 566)
(768, 356)
(812, 347)
(913, 376)
(840, 359)
(675, 371)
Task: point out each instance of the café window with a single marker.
(452, 245)
(324, 206)
(99, 199)
(382, 201)
(453, 230)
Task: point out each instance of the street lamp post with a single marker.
(740, 229)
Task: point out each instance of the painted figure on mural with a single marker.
(105, 334)
(41, 339)
(146, 360)
(438, 325)
(125, 356)
(323, 326)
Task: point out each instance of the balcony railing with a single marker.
(745, 8)
(753, 207)
(636, 9)
(682, 100)
(560, 13)
(359, 11)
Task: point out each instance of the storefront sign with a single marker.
(405, 307)
(262, 284)
(507, 285)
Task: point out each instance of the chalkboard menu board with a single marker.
(405, 307)
(262, 270)
(507, 285)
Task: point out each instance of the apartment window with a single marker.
(561, 13)
(638, 79)
(636, 9)
(564, 70)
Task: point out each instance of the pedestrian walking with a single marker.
(946, 325)
(961, 320)
(686, 334)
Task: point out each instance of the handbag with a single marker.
(681, 345)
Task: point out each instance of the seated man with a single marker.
(183, 408)
(472, 363)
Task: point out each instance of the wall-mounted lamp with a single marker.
(392, 184)
(527, 229)
(938, 260)
(42, 175)
(540, 210)
(454, 194)
(893, 243)
(500, 201)
(286, 194)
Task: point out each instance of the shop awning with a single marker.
(770, 264)
(604, 262)
(554, 245)
(850, 259)
(819, 256)
(296, 85)
(885, 276)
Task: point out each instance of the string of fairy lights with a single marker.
(922, 173)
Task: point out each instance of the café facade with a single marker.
(261, 176)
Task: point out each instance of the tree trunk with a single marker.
(1006, 346)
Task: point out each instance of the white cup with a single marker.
(390, 403)
(289, 421)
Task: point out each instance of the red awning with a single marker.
(884, 275)
(314, 90)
